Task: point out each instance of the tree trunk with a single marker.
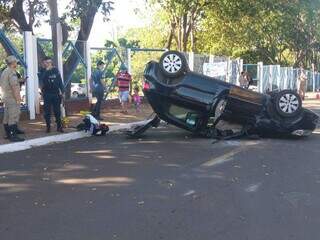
(54, 20)
(192, 40)
(72, 62)
(17, 14)
(184, 32)
(171, 35)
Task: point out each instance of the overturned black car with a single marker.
(199, 103)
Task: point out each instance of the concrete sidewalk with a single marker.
(36, 128)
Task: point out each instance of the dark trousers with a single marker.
(52, 101)
(97, 108)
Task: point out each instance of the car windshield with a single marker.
(186, 115)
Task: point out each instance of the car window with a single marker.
(186, 115)
(178, 112)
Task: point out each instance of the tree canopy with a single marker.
(25, 15)
(273, 31)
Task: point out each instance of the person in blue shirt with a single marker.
(98, 88)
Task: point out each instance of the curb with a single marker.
(42, 141)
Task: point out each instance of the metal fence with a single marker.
(275, 77)
(265, 77)
(220, 67)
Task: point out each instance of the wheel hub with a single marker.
(172, 63)
(289, 103)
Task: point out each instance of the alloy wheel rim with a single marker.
(289, 103)
(172, 63)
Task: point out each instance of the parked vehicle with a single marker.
(78, 90)
(197, 103)
(23, 93)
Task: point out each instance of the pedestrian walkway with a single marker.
(36, 128)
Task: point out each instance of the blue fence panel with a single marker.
(309, 81)
(274, 77)
(295, 78)
(266, 79)
(283, 76)
(318, 81)
(290, 78)
(235, 71)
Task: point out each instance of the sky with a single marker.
(126, 14)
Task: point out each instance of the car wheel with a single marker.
(288, 103)
(173, 64)
(75, 94)
(220, 107)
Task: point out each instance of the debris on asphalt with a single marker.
(166, 183)
(189, 193)
(235, 179)
(141, 203)
(115, 195)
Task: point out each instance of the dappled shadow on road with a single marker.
(110, 162)
(167, 179)
(116, 162)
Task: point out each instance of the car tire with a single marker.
(173, 64)
(288, 103)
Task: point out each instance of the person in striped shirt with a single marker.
(124, 83)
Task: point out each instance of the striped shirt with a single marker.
(124, 79)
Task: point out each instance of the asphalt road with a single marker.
(167, 185)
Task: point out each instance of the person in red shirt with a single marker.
(124, 83)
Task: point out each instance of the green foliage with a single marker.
(153, 35)
(17, 41)
(79, 8)
(273, 31)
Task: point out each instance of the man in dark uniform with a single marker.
(98, 88)
(52, 90)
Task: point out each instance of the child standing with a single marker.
(137, 99)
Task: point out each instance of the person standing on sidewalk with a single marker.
(10, 85)
(52, 91)
(124, 83)
(303, 82)
(243, 80)
(98, 88)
